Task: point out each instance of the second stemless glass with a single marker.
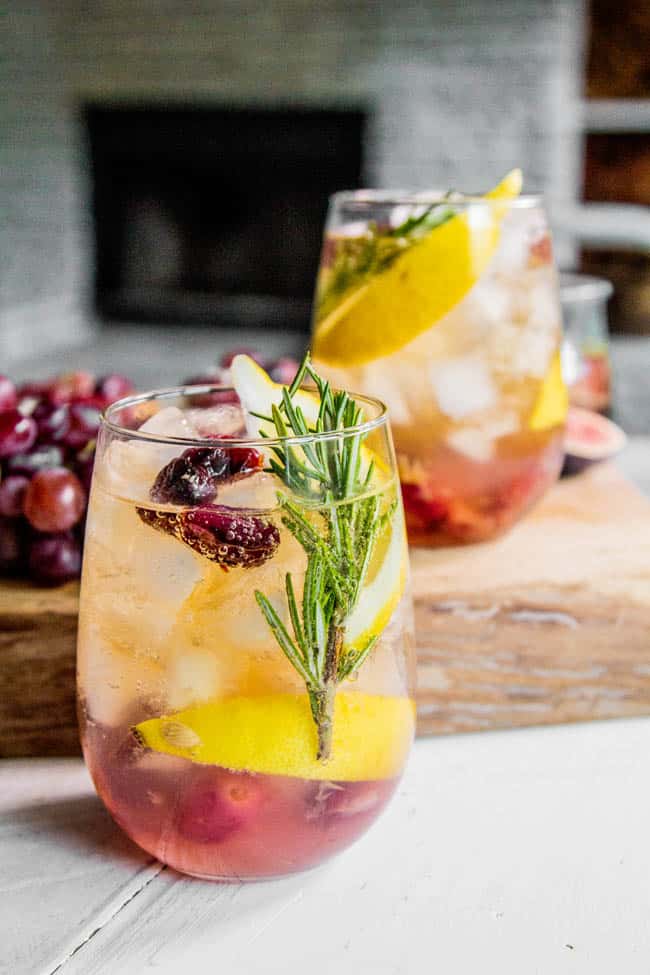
(197, 729)
(447, 308)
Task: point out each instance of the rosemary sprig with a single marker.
(328, 510)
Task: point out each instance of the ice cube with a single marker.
(534, 353)
(256, 492)
(462, 386)
(472, 442)
(170, 422)
(192, 676)
(224, 420)
(142, 576)
(113, 679)
(477, 441)
(390, 385)
(130, 467)
(488, 303)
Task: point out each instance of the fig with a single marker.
(589, 438)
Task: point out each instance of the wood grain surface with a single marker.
(38, 632)
(549, 624)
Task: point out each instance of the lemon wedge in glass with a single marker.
(275, 734)
(419, 288)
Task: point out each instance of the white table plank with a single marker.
(65, 867)
(517, 852)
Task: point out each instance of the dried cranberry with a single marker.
(244, 460)
(193, 478)
(220, 534)
(190, 478)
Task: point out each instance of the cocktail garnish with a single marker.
(358, 259)
(194, 477)
(338, 537)
(227, 536)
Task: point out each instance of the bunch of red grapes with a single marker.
(47, 448)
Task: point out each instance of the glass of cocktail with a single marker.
(446, 306)
(245, 662)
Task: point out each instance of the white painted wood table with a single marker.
(512, 852)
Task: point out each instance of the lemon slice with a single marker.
(275, 734)
(421, 286)
(257, 393)
(382, 590)
(552, 404)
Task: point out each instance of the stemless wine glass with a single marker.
(446, 306)
(237, 724)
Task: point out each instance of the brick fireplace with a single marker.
(215, 214)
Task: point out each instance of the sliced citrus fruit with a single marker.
(257, 393)
(382, 590)
(275, 734)
(419, 288)
(552, 404)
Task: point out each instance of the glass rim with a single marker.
(406, 197)
(202, 389)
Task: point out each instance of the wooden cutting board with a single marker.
(549, 624)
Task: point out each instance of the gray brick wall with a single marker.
(43, 256)
(459, 91)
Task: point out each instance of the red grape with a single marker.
(113, 387)
(213, 376)
(8, 395)
(53, 421)
(38, 458)
(84, 424)
(54, 500)
(71, 386)
(36, 389)
(17, 432)
(12, 493)
(84, 463)
(284, 370)
(227, 357)
(218, 805)
(53, 559)
(9, 544)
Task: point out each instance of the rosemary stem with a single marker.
(322, 706)
(328, 693)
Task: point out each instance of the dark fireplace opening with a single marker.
(215, 215)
